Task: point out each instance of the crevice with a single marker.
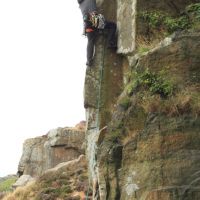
(118, 163)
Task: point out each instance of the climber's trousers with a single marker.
(91, 45)
(111, 27)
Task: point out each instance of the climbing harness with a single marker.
(99, 98)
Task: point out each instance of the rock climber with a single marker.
(93, 22)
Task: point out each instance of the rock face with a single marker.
(151, 147)
(42, 153)
(143, 111)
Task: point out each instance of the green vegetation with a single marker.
(180, 23)
(155, 83)
(162, 21)
(125, 102)
(167, 24)
(143, 49)
(7, 184)
(194, 12)
(194, 8)
(61, 191)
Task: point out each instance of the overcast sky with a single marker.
(42, 69)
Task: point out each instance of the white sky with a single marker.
(42, 69)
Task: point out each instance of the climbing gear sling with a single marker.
(98, 20)
(94, 20)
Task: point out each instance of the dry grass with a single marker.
(56, 184)
(188, 101)
(23, 193)
(150, 103)
(184, 102)
(144, 44)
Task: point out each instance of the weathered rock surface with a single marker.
(45, 152)
(165, 148)
(160, 159)
(143, 114)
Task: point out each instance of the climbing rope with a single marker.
(99, 98)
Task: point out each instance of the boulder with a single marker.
(45, 152)
(23, 180)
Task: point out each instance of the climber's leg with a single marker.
(90, 47)
(112, 38)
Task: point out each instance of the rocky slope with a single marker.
(66, 181)
(143, 117)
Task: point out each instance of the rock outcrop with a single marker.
(45, 152)
(151, 147)
(143, 111)
(22, 181)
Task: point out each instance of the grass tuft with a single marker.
(7, 184)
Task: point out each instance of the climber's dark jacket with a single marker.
(87, 6)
